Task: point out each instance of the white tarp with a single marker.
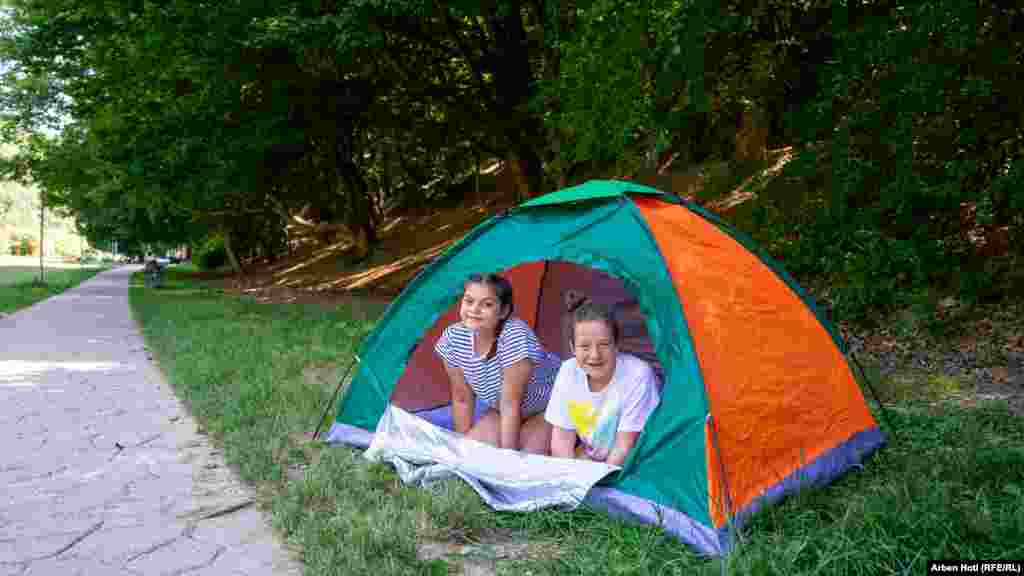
(506, 479)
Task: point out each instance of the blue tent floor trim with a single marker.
(822, 471)
(619, 504)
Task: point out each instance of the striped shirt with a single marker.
(485, 376)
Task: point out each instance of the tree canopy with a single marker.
(162, 121)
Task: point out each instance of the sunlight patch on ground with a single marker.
(741, 193)
(327, 252)
(407, 242)
(495, 166)
(392, 224)
(367, 277)
(21, 373)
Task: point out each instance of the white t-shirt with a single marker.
(623, 406)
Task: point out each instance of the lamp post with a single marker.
(42, 212)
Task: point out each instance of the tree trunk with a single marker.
(231, 253)
(532, 173)
(386, 193)
(352, 186)
(286, 219)
(751, 138)
(509, 61)
(360, 212)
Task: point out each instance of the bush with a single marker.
(865, 270)
(28, 246)
(211, 254)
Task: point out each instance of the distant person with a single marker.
(152, 274)
(495, 356)
(602, 397)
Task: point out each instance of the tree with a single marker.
(922, 105)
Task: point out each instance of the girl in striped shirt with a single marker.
(496, 356)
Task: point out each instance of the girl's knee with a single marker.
(535, 436)
(486, 429)
(536, 445)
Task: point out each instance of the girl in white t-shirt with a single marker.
(601, 397)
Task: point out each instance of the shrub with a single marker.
(211, 254)
(27, 246)
(864, 269)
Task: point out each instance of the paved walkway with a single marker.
(102, 471)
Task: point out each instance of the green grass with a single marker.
(948, 487)
(19, 289)
(10, 275)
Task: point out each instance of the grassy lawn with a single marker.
(256, 376)
(17, 275)
(18, 289)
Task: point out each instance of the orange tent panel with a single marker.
(767, 361)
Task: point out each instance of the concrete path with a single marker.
(102, 471)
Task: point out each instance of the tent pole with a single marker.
(725, 485)
(320, 423)
(874, 394)
(540, 294)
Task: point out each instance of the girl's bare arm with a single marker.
(463, 399)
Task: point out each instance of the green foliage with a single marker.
(862, 268)
(26, 244)
(983, 280)
(335, 110)
(608, 48)
(6, 204)
(240, 118)
(668, 72)
(211, 254)
(907, 107)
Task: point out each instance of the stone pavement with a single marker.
(102, 471)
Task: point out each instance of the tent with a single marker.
(758, 398)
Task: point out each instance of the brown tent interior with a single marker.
(543, 293)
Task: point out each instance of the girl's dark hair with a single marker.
(503, 290)
(590, 311)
